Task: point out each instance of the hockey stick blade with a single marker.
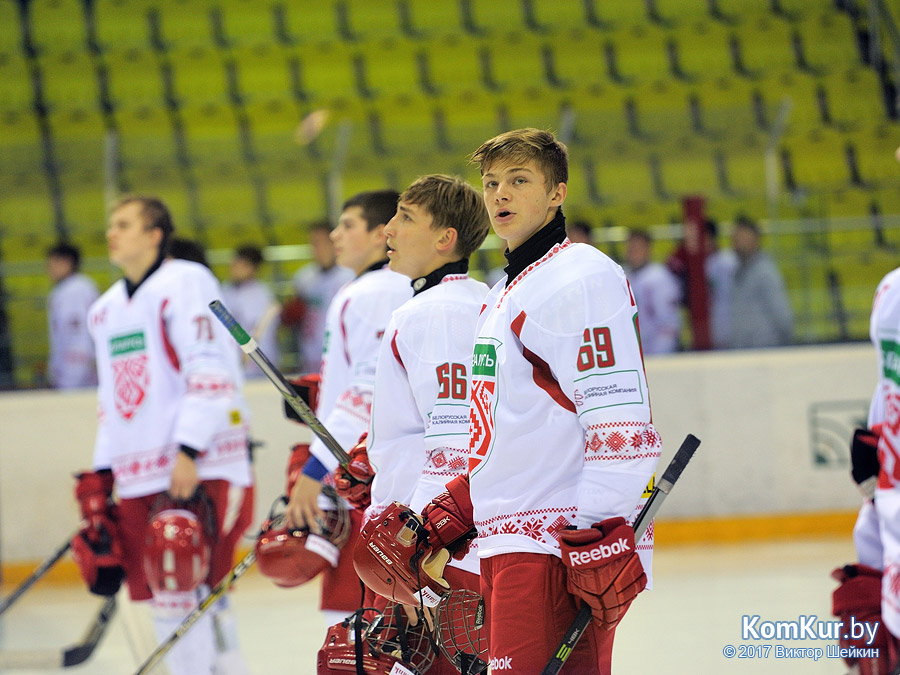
(250, 347)
(47, 659)
(214, 595)
(8, 601)
(659, 494)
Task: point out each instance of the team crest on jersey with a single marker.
(128, 355)
(484, 402)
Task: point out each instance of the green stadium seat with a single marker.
(295, 201)
(248, 23)
(69, 81)
(829, 41)
(85, 210)
(10, 29)
(135, 80)
(641, 54)
(580, 61)
(16, 89)
(371, 21)
(262, 73)
(57, 25)
(229, 210)
(683, 12)
(199, 77)
(311, 22)
(390, 67)
(875, 147)
(855, 96)
(121, 25)
(766, 46)
(21, 157)
(689, 173)
(432, 19)
(326, 72)
(213, 142)
(146, 145)
(819, 160)
(516, 61)
(703, 50)
(186, 25)
(560, 17)
(454, 64)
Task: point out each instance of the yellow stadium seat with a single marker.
(122, 25)
(16, 88)
(57, 25)
(69, 81)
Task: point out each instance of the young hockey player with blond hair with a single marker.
(561, 443)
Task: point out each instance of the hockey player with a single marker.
(418, 435)
(560, 429)
(71, 360)
(355, 323)
(171, 420)
(870, 590)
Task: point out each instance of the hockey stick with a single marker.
(214, 595)
(8, 601)
(73, 656)
(251, 348)
(659, 494)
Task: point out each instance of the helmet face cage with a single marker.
(461, 632)
(376, 646)
(391, 634)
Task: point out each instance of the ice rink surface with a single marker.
(683, 626)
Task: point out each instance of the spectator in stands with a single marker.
(760, 312)
(187, 249)
(719, 267)
(253, 305)
(657, 294)
(579, 232)
(315, 285)
(71, 358)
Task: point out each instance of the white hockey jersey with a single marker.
(884, 331)
(256, 310)
(169, 375)
(419, 433)
(71, 360)
(560, 426)
(356, 321)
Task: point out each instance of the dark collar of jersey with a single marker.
(534, 248)
(434, 278)
(374, 266)
(131, 287)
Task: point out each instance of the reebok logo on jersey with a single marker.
(501, 663)
(600, 552)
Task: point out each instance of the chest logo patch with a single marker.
(483, 403)
(128, 356)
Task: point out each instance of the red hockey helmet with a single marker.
(387, 645)
(291, 557)
(178, 544)
(393, 558)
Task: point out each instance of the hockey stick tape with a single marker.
(248, 344)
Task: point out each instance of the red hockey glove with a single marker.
(858, 599)
(307, 386)
(96, 548)
(603, 569)
(354, 482)
(299, 456)
(448, 519)
(93, 491)
(864, 460)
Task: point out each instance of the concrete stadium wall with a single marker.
(774, 427)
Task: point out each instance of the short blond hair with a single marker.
(452, 202)
(525, 145)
